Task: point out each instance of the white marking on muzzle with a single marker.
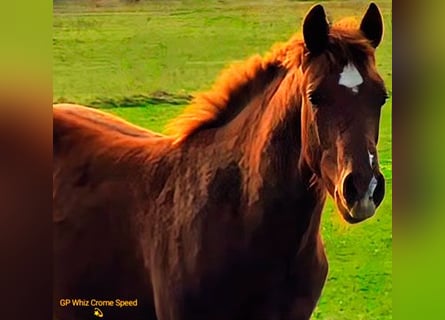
(371, 159)
(350, 77)
(371, 187)
(373, 183)
(365, 207)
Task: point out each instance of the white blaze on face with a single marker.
(350, 77)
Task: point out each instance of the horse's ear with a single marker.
(372, 25)
(315, 30)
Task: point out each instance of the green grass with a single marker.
(152, 117)
(120, 57)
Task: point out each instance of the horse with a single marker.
(220, 217)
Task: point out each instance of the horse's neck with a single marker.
(283, 185)
(270, 136)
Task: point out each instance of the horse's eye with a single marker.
(315, 98)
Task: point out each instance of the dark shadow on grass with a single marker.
(156, 98)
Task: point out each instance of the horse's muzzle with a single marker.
(358, 201)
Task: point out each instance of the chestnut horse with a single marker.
(220, 219)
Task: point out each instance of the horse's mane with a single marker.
(236, 82)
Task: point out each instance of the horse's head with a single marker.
(342, 97)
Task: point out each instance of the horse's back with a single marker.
(97, 189)
(70, 116)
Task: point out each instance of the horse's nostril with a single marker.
(379, 191)
(349, 190)
(375, 189)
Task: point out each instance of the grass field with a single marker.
(142, 61)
